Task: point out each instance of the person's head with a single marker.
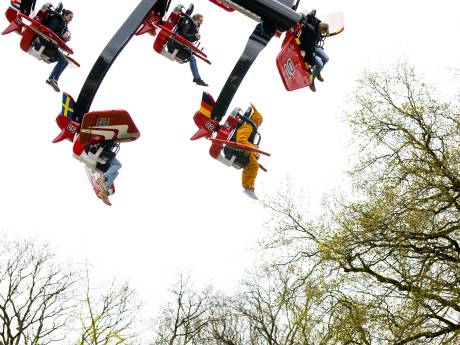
(68, 15)
(257, 118)
(198, 19)
(323, 28)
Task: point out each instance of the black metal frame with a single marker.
(274, 17)
(111, 52)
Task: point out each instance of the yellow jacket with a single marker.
(244, 132)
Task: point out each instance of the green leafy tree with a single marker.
(393, 241)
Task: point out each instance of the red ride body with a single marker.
(68, 128)
(37, 28)
(149, 25)
(290, 63)
(202, 118)
(163, 35)
(224, 134)
(12, 10)
(31, 28)
(294, 72)
(154, 22)
(11, 14)
(116, 125)
(207, 126)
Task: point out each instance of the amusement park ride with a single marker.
(84, 127)
(36, 39)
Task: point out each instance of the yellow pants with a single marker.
(250, 172)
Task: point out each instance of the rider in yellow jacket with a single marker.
(243, 135)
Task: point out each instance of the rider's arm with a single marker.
(307, 26)
(186, 32)
(55, 25)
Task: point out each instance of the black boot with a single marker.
(200, 82)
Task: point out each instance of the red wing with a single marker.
(291, 65)
(14, 26)
(114, 125)
(45, 32)
(72, 61)
(68, 128)
(179, 39)
(222, 5)
(204, 59)
(335, 21)
(239, 146)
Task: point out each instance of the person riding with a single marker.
(190, 31)
(313, 31)
(245, 135)
(109, 169)
(58, 24)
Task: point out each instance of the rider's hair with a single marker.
(197, 16)
(323, 28)
(66, 12)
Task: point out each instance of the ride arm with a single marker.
(258, 40)
(111, 52)
(275, 12)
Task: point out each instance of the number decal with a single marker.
(289, 68)
(102, 121)
(71, 128)
(209, 126)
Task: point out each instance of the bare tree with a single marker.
(107, 314)
(183, 320)
(278, 307)
(35, 294)
(226, 324)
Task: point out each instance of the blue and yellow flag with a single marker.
(68, 106)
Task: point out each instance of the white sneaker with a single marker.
(250, 193)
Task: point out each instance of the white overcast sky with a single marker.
(175, 208)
